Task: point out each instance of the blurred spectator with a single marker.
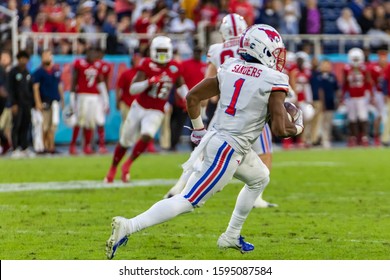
(208, 13)
(65, 47)
(146, 24)
(41, 24)
(55, 14)
(123, 8)
(328, 93)
(73, 4)
(100, 13)
(207, 18)
(381, 18)
(243, 8)
(186, 27)
(357, 7)
(26, 25)
(140, 6)
(366, 21)
(378, 36)
(291, 15)
(268, 15)
(110, 27)
(189, 7)
(347, 24)
(89, 27)
(311, 19)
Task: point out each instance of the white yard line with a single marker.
(77, 185)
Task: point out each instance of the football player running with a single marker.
(153, 82)
(232, 26)
(252, 90)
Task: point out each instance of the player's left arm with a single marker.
(206, 89)
(280, 124)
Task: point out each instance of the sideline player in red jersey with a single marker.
(153, 82)
(123, 97)
(357, 82)
(377, 71)
(102, 110)
(87, 85)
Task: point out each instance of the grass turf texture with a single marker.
(332, 205)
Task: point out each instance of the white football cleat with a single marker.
(119, 236)
(261, 203)
(225, 242)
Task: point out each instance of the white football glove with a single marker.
(197, 135)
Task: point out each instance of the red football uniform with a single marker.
(156, 95)
(88, 76)
(105, 68)
(303, 85)
(193, 73)
(124, 83)
(356, 80)
(377, 76)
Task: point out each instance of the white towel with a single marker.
(55, 112)
(197, 152)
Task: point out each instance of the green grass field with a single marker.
(333, 205)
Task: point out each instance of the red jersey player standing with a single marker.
(154, 80)
(377, 71)
(123, 97)
(357, 83)
(102, 109)
(86, 89)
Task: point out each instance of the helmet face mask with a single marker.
(232, 26)
(264, 44)
(161, 50)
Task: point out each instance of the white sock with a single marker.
(244, 204)
(160, 212)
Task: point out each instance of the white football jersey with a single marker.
(219, 53)
(243, 105)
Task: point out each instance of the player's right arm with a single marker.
(281, 126)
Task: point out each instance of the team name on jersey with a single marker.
(247, 70)
(231, 43)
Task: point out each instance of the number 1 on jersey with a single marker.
(231, 109)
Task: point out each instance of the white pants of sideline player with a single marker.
(140, 121)
(219, 165)
(87, 105)
(100, 117)
(357, 108)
